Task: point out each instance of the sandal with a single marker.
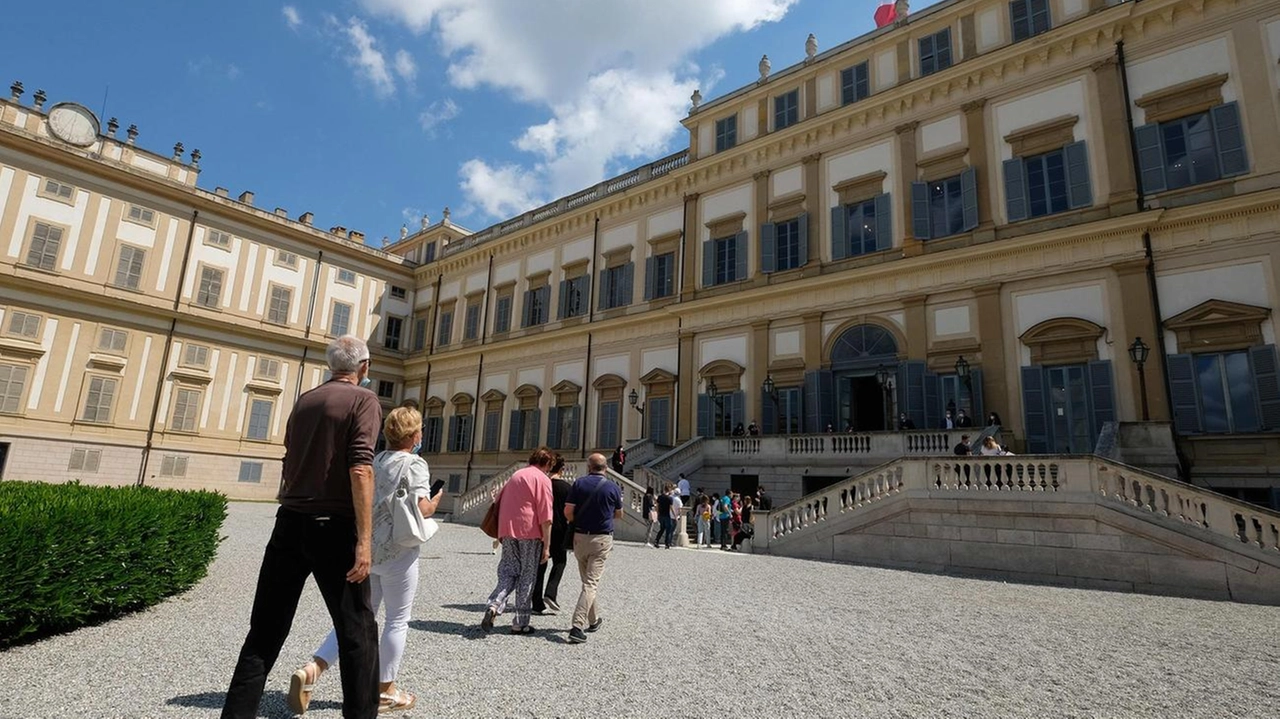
(301, 684)
(525, 630)
(398, 701)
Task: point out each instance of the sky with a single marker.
(370, 113)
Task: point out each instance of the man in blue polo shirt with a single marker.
(593, 503)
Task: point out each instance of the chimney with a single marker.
(220, 191)
(281, 212)
(306, 218)
(246, 197)
(338, 230)
(356, 236)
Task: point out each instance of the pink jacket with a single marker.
(524, 505)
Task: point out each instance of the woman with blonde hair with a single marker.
(393, 578)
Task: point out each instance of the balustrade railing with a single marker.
(998, 475)
(481, 494)
(841, 497)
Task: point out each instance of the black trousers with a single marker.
(551, 589)
(303, 545)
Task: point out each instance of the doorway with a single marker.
(744, 484)
(1069, 410)
(860, 402)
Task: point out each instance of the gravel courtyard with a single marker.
(692, 633)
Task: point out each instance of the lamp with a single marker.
(714, 393)
(885, 378)
(636, 404)
(1138, 352)
(962, 368)
(771, 390)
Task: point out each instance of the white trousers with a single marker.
(394, 582)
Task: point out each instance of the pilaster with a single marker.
(976, 129)
(757, 369)
(813, 204)
(686, 390)
(917, 327)
(1116, 146)
(1257, 115)
(995, 382)
(906, 133)
(1138, 316)
(813, 341)
(689, 248)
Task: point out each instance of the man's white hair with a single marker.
(346, 353)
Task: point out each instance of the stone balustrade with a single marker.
(471, 506)
(871, 445)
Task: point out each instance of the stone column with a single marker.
(995, 383)
(906, 175)
(1138, 315)
(1255, 110)
(976, 129)
(917, 327)
(687, 390)
(814, 205)
(757, 369)
(689, 250)
(760, 213)
(1116, 145)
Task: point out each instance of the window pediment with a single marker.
(190, 376)
(433, 402)
(863, 187)
(727, 374)
(462, 401)
(493, 395)
(260, 387)
(609, 381)
(110, 363)
(1218, 326)
(657, 375)
(20, 349)
(1063, 340)
(727, 225)
(1185, 98)
(1043, 136)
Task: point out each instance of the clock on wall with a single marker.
(73, 124)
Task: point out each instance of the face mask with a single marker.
(417, 447)
(366, 382)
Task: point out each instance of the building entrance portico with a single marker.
(863, 402)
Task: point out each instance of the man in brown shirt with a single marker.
(323, 528)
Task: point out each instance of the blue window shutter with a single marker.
(650, 281)
(839, 233)
(709, 263)
(1266, 382)
(514, 433)
(535, 428)
(1232, 159)
(553, 427)
(740, 257)
(803, 222)
(969, 197)
(942, 49)
(1150, 157)
(574, 426)
(602, 299)
(706, 415)
(884, 222)
(1101, 394)
(1015, 190)
(1020, 20)
(545, 314)
(911, 390)
(932, 403)
(453, 432)
(819, 401)
(1035, 418)
(768, 414)
(564, 299)
(1079, 193)
(1182, 387)
(920, 210)
(927, 56)
(979, 412)
(626, 292)
(768, 247)
(584, 292)
(738, 415)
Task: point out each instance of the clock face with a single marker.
(73, 124)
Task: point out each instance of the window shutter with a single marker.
(740, 257)
(1079, 193)
(514, 433)
(803, 222)
(839, 234)
(1232, 159)
(979, 412)
(738, 415)
(911, 390)
(768, 414)
(1150, 158)
(927, 55)
(884, 222)
(574, 426)
(565, 286)
(553, 427)
(602, 301)
(818, 400)
(1020, 20)
(709, 263)
(453, 432)
(920, 210)
(1266, 381)
(1182, 387)
(969, 198)
(932, 403)
(1034, 418)
(584, 292)
(1015, 190)
(626, 292)
(1102, 394)
(768, 247)
(942, 49)
(545, 305)
(535, 428)
(525, 308)
(650, 282)
(706, 415)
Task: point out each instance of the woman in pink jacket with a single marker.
(524, 528)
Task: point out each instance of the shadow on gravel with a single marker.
(273, 703)
(477, 554)
(477, 607)
(436, 626)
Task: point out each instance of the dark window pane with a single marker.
(1244, 409)
(1213, 406)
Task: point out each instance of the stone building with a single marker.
(980, 208)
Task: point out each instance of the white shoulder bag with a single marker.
(408, 527)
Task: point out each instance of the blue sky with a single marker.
(369, 112)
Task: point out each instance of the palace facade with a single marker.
(979, 209)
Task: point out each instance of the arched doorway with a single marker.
(860, 401)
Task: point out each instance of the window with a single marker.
(13, 379)
(860, 228)
(784, 245)
(607, 432)
(786, 110)
(250, 472)
(492, 426)
(502, 315)
(398, 293)
(455, 483)
(536, 309)
(1191, 150)
(460, 433)
(431, 431)
(172, 465)
(55, 190)
(85, 460)
(563, 422)
(217, 238)
(429, 253)
(1048, 183)
(142, 216)
(419, 334)
(573, 296)
(391, 337)
(935, 52)
(340, 322)
(195, 356)
(287, 259)
(1028, 18)
(726, 133)
(444, 333)
(660, 273)
(1226, 392)
(24, 324)
(615, 286)
(185, 407)
(46, 240)
(259, 419)
(98, 402)
(471, 325)
(266, 368)
(944, 207)
(278, 311)
(386, 389)
(210, 293)
(346, 277)
(854, 84)
(129, 268)
(112, 340)
(525, 429)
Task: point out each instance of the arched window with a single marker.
(863, 344)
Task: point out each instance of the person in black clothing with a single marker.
(650, 515)
(993, 419)
(905, 422)
(619, 460)
(963, 449)
(545, 597)
(745, 530)
(763, 501)
(666, 525)
(739, 431)
(963, 419)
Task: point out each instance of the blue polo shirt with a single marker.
(594, 513)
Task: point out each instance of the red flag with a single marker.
(885, 14)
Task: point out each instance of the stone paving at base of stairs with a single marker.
(690, 633)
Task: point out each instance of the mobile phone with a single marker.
(436, 486)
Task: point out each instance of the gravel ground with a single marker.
(692, 633)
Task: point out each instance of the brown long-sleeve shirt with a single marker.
(332, 428)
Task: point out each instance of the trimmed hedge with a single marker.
(72, 555)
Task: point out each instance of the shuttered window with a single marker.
(13, 379)
(259, 419)
(445, 334)
(1226, 392)
(861, 228)
(45, 243)
(1048, 183)
(726, 133)
(615, 286)
(854, 84)
(99, 400)
(786, 110)
(1028, 18)
(278, 309)
(210, 292)
(129, 268)
(186, 405)
(935, 52)
(340, 321)
(1191, 150)
(944, 207)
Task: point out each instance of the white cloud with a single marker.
(438, 113)
(233, 72)
(368, 60)
(292, 16)
(405, 66)
(614, 77)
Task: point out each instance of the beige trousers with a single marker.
(591, 550)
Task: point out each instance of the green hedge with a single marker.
(72, 555)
